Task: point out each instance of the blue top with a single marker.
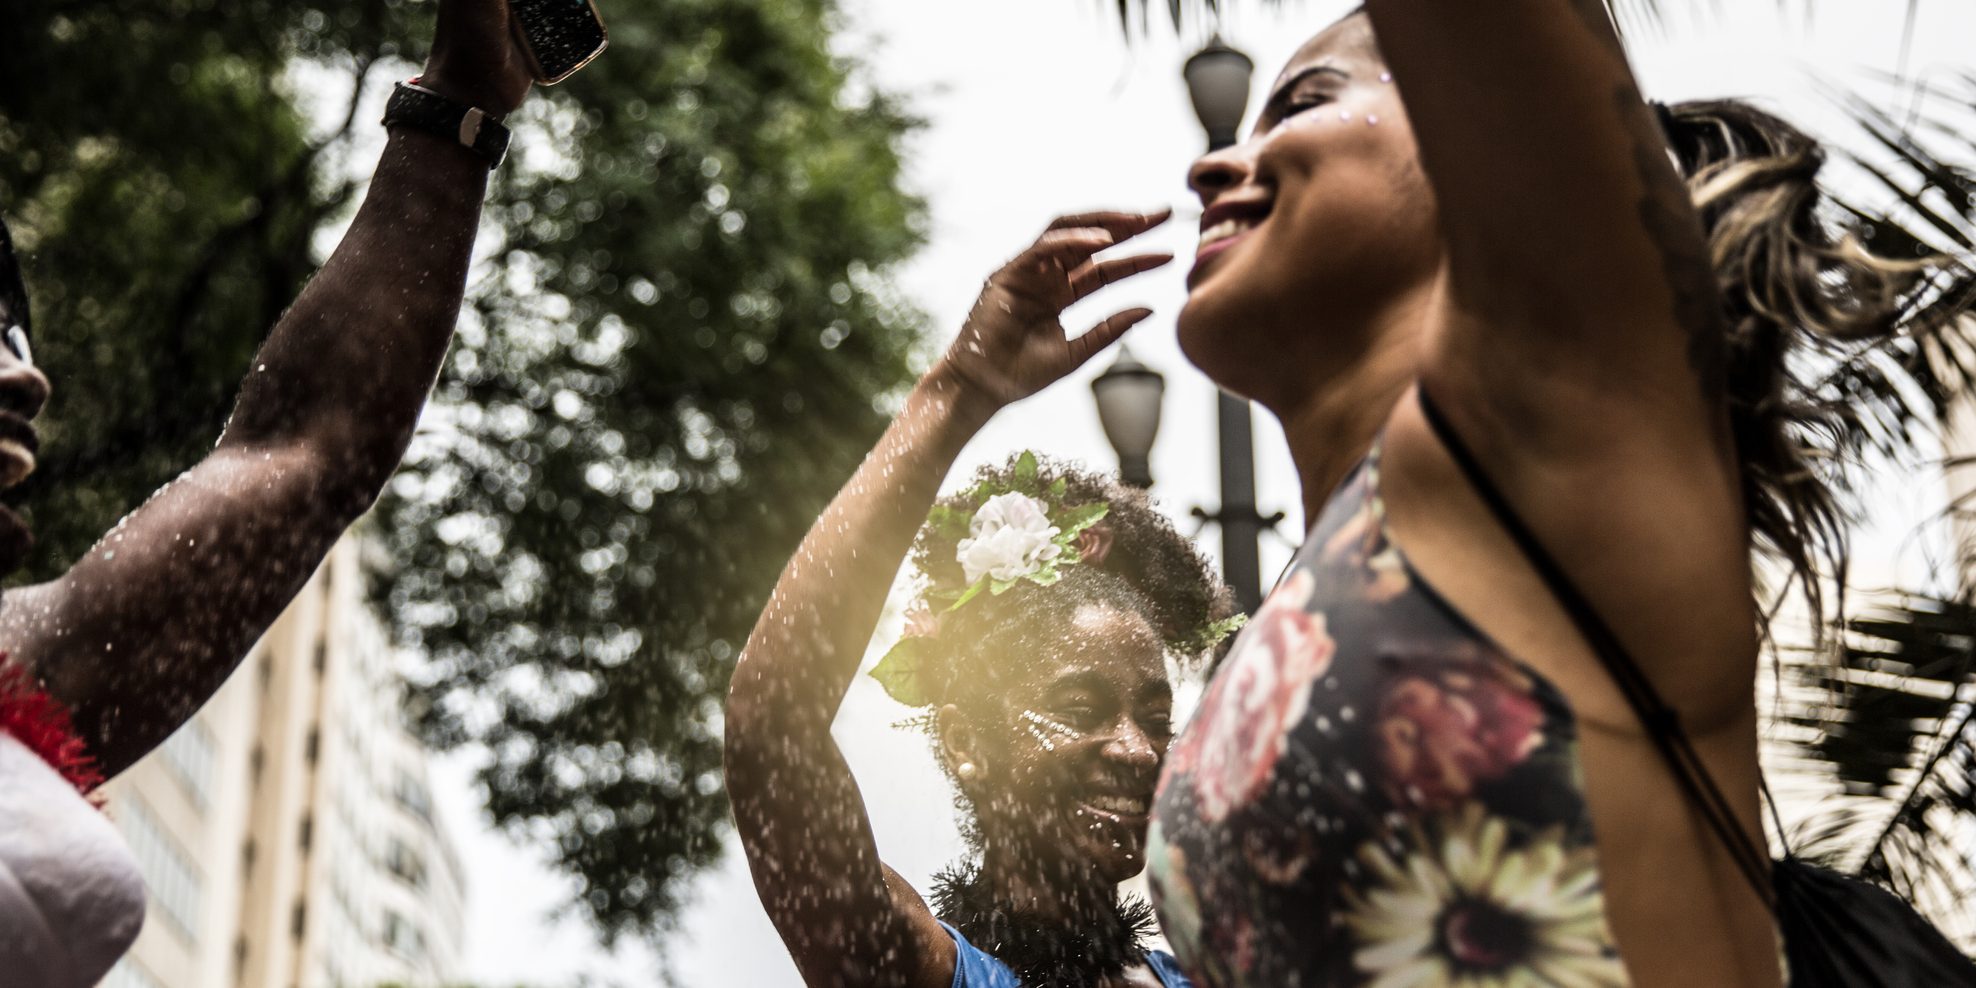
(973, 968)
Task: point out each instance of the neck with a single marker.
(1044, 886)
(1331, 426)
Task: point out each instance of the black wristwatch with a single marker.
(419, 108)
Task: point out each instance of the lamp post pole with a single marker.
(1218, 82)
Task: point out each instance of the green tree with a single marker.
(165, 191)
(680, 343)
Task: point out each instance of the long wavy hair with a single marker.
(1812, 315)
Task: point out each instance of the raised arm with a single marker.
(846, 918)
(142, 630)
(1574, 245)
(1583, 350)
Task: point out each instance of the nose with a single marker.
(23, 388)
(1130, 745)
(1219, 171)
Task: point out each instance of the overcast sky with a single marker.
(1035, 108)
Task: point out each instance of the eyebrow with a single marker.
(1282, 91)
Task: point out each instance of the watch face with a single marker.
(560, 35)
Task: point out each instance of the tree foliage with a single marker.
(677, 348)
(164, 191)
(673, 364)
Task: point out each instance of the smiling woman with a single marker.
(1053, 601)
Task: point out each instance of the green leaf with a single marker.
(949, 521)
(1000, 587)
(1078, 519)
(1059, 488)
(1025, 471)
(898, 672)
(1213, 634)
(969, 594)
(1047, 576)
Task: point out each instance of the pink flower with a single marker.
(1441, 734)
(921, 622)
(1250, 709)
(1094, 544)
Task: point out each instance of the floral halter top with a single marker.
(1373, 794)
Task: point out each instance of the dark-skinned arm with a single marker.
(146, 626)
(847, 918)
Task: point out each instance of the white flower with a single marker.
(1459, 908)
(1011, 538)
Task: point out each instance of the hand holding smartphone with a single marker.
(558, 36)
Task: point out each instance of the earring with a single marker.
(967, 771)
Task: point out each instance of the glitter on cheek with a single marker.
(1047, 731)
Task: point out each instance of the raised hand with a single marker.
(475, 57)
(1014, 344)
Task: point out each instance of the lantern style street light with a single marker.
(1128, 395)
(1218, 81)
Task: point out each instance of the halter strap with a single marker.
(1663, 724)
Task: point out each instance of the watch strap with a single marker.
(419, 108)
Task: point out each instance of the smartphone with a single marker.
(559, 36)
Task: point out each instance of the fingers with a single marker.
(1093, 276)
(1122, 226)
(1106, 333)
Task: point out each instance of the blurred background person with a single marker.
(104, 662)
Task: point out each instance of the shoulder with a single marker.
(1167, 968)
(71, 899)
(974, 968)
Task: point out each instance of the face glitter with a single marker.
(1046, 731)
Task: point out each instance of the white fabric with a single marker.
(71, 898)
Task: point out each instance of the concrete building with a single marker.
(287, 834)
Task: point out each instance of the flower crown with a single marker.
(1015, 532)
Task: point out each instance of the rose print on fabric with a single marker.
(1258, 697)
(1439, 733)
(1373, 795)
(1457, 906)
(1361, 543)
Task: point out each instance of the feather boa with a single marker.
(1044, 953)
(42, 724)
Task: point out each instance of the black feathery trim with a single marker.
(1044, 953)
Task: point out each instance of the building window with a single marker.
(411, 795)
(403, 937)
(308, 833)
(298, 919)
(188, 753)
(173, 879)
(312, 748)
(405, 863)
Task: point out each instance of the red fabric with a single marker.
(42, 723)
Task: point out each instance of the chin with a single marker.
(1223, 345)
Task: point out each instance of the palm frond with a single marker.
(1910, 197)
(1881, 737)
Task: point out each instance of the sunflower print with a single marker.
(1373, 795)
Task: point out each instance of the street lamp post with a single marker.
(1128, 395)
(1218, 81)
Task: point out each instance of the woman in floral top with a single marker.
(1414, 769)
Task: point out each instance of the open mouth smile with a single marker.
(1116, 808)
(1224, 225)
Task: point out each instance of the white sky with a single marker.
(1037, 107)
